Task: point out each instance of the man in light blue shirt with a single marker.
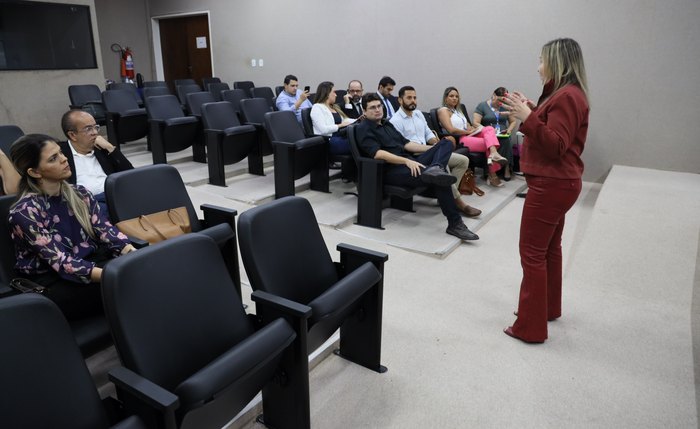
(412, 125)
(291, 98)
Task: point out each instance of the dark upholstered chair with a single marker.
(8, 135)
(91, 334)
(178, 322)
(264, 92)
(234, 96)
(45, 382)
(126, 121)
(179, 82)
(278, 89)
(183, 90)
(89, 99)
(295, 154)
(129, 87)
(155, 188)
(371, 189)
(228, 141)
(207, 80)
(293, 276)
(195, 100)
(154, 91)
(245, 85)
(253, 112)
(216, 87)
(155, 84)
(170, 130)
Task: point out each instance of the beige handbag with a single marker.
(158, 226)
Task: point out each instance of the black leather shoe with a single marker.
(462, 232)
(435, 175)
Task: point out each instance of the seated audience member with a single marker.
(413, 126)
(454, 121)
(8, 175)
(61, 237)
(329, 120)
(378, 139)
(353, 100)
(91, 158)
(390, 103)
(291, 98)
(492, 113)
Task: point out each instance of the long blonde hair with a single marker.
(26, 154)
(563, 62)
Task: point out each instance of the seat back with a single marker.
(45, 382)
(283, 250)
(8, 135)
(282, 126)
(339, 94)
(183, 90)
(219, 116)
(127, 86)
(354, 147)
(7, 246)
(163, 107)
(245, 85)
(119, 100)
(196, 99)
(264, 92)
(254, 110)
(180, 82)
(146, 190)
(83, 94)
(278, 89)
(429, 120)
(183, 281)
(154, 91)
(207, 80)
(216, 87)
(155, 84)
(234, 96)
(306, 122)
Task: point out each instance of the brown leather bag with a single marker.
(467, 185)
(158, 226)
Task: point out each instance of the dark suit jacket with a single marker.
(394, 103)
(110, 162)
(353, 112)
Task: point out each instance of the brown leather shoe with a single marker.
(470, 211)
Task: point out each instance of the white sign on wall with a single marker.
(202, 42)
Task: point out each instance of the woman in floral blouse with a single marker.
(61, 238)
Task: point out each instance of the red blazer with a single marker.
(555, 134)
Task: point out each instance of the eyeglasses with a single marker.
(374, 107)
(90, 129)
(355, 91)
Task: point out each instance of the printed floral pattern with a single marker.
(48, 236)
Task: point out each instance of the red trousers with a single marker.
(541, 226)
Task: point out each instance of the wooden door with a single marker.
(182, 57)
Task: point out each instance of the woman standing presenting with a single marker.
(555, 133)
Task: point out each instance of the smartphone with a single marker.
(307, 88)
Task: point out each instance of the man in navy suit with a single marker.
(90, 156)
(390, 103)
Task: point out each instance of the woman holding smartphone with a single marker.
(555, 134)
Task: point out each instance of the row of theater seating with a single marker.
(191, 356)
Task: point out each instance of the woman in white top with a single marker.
(454, 121)
(329, 120)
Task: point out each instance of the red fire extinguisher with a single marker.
(127, 65)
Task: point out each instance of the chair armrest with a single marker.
(255, 124)
(280, 304)
(6, 290)
(310, 141)
(138, 243)
(214, 215)
(351, 257)
(367, 254)
(133, 389)
(284, 144)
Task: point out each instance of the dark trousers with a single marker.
(541, 227)
(439, 154)
(76, 300)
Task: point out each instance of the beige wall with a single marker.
(36, 99)
(124, 22)
(642, 58)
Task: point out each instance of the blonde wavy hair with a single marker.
(26, 154)
(563, 64)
